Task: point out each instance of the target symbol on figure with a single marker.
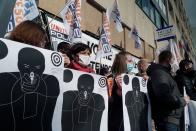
(56, 59)
(102, 82)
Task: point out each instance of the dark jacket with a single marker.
(115, 112)
(166, 100)
(186, 80)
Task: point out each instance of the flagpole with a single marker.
(53, 18)
(100, 65)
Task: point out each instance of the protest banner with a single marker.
(23, 10)
(136, 105)
(37, 93)
(82, 104)
(191, 115)
(29, 79)
(93, 44)
(58, 32)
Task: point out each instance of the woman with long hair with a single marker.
(31, 33)
(122, 64)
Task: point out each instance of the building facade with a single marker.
(146, 15)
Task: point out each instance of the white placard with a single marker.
(165, 33)
(58, 32)
(136, 105)
(82, 104)
(29, 79)
(93, 44)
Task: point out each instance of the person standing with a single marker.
(122, 64)
(80, 58)
(30, 33)
(166, 101)
(185, 78)
(64, 48)
(142, 68)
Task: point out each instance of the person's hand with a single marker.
(145, 77)
(187, 99)
(118, 80)
(66, 60)
(110, 85)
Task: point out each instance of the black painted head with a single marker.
(31, 64)
(3, 50)
(126, 79)
(68, 76)
(136, 84)
(85, 88)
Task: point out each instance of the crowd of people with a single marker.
(166, 92)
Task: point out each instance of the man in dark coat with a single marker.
(166, 100)
(185, 78)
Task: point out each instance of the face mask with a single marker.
(84, 59)
(130, 67)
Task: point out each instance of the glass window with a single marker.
(157, 19)
(139, 2)
(160, 4)
(164, 24)
(152, 12)
(164, 10)
(145, 6)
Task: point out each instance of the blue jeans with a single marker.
(165, 126)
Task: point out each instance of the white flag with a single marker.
(135, 36)
(71, 15)
(178, 56)
(186, 114)
(175, 65)
(23, 10)
(104, 48)
(114, 14)
(31, 10)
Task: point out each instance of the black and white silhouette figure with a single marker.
(82, 109)
(28, 97)
(136, 103)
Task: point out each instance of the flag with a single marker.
(71, 15)
(177, 52)
(186, 114)
(175, 65)
(106, 26)
(187, 48)
(181, 44)
(23, 10)
(135, 36)
(31, 10)
(114, 14)
(104, 48)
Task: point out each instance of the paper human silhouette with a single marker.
(28, 97)
(137, 106)
(82, 109)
